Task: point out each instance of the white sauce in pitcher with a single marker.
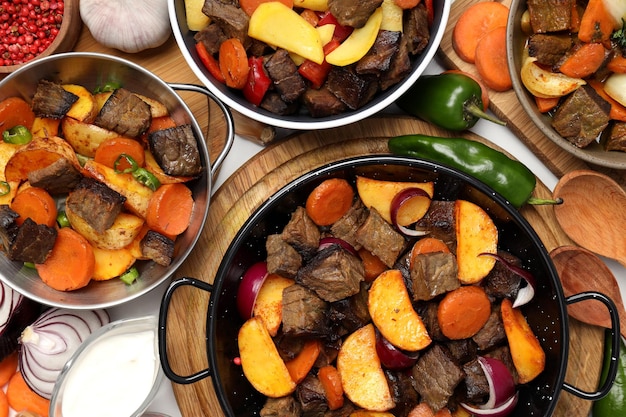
(112, 378)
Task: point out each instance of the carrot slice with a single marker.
(36, 203)
(372, 264)
(15, 111)
(300, 366)
(545, 104)
(170, 208)
(484, 93)
(331, 382)
(110, 151)
(491, 62)
(463, 312)
(618, 111)
(584, 61)
(421, 410)
(596, 23)
(406, 4)
(428, 245)
(234, 63)
(474, 23)
(71, 263)
(249, 6)
(617, 64)
(329, 201)
(8, 367)
(21, 398)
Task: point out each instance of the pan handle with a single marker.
(615, 346)
(230, 123)
(162, 330)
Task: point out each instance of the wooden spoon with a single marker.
(593, 213)
(581, 270)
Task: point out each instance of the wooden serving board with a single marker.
(263, 175)
(507, 107)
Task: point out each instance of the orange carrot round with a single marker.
(21, 398)
(427, 245)
(15, 111)
(329, 201)
(372, 264)
(463, 312)
(8, 366)
(300, 366)
(584, 61)
(331, 382)
(491, 62)
(617, 64)
(249, 6)
(4, 404)
(71, 263)
(36, 203)
(421, 410)
(476, 21)
(170, 208)
(234, 63)
(110, 150)
(406, 4)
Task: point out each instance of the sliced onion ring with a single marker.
(525, 293)
(402, 198)
(329, 241)
(500, 380)
(249, 288)
(501, 411)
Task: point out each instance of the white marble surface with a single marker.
(243, 150)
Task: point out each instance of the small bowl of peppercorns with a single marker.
(31, 29)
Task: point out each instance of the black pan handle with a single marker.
(615, 346)
(162, 330)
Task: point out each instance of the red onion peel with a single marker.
(525, 293)
(249, 288)
(407, 207)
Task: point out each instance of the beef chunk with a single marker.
(353, 89)
(433, 274)
(230, 17)
(304, 313)
(380, 238)
(550, 15)
(435, 377)
(8, 227)
(345, 228)
(322, 103)
(345, 411)
(492, 333)
(476, 385)
(439, 222)
(124, 113)
(615, 138)
(378, 58)
(273, 102)
(211, 36)
(582, 116)
(51, 100)
(501, 282)
(95, 203)
(310, 393)
(176, 151)
(157, 247)
(350, 314)
(281, 407)
(285, 76)
(462, 350)
(33, 242)
(416, 29)
(428, 314)
(302, 233)
(548, 49)
(353, 12)
(282, 258)
(60, 177)
(333, 274)
(404, 395)
(399, 67)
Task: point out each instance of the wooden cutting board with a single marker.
(263, 175)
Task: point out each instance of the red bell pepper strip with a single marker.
(317, 73)
(209, 62)
(341, 32)
(258, 81)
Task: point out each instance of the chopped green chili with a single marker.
(130, 276)
(17, 135)
(62, 219)
(5, 188)
(142, 175)
(107, 87)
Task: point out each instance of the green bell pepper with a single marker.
(449, 100)
(17, 135)
(614, 403)
(510, 178)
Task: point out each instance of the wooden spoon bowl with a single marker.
(581, 270)
(593, 213)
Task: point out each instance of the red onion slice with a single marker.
(502, 411)
(420, 202)
(500, 380)
(525, 293)
(328, 241)
(249, 288)
(391, 357)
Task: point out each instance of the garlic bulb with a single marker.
(128, 25)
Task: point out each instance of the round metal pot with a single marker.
(92, 70)
(546, 313)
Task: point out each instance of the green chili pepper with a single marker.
(614, 403)
(5, 188)
(130, 276)
(449, 100)
(62, 219)
(107, 87)
(17, 135)
(142, 175)
(510, 178)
